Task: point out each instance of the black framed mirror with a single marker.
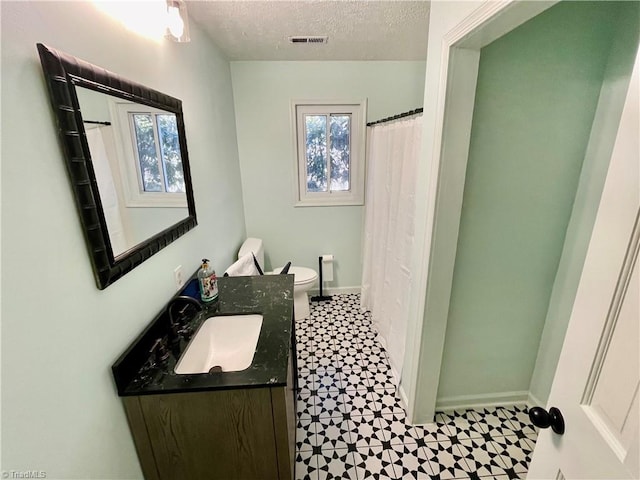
(126, 155)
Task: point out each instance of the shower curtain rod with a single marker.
(96, 122)
(396, 117)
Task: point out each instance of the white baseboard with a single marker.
(403, 398)
(533, 401)
(461, 402)
(334, 290)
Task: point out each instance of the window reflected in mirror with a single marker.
(155, 141)
(135, 153)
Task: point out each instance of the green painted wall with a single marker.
(537, 92)
(585, 207)
(60, 334)
(262, 95)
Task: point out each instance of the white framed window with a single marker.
(150, 156)
(329, 139)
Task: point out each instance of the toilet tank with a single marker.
(253, 245)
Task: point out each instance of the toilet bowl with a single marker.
(304, 278)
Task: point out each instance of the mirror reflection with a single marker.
(135, 153)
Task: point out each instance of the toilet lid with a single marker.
(301, 274)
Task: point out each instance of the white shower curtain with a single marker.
(393, 154)
(107, 189)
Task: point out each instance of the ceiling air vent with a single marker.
(309, 39)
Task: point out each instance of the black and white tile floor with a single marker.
(351, 424)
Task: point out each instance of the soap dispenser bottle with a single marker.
(208, 282)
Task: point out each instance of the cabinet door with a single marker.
(290, 399)
(284, 422)
(223, 434)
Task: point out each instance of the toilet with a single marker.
(304, 278)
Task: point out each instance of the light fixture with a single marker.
(177, 21)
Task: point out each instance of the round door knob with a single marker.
(543, 419)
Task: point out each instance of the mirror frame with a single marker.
(63, 73)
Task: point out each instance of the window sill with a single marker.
(157, 200)
(329, 203)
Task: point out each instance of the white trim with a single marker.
(460, 402)
(447, 167)
(335, 290)
(403, 397)
(534, 401)
(355, 196)
(493, 20)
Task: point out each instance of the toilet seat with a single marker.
(302, 275)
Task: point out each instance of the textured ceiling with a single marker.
(357, 29)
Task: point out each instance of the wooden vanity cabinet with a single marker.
(226, 434)
(284, 419)
(246, 433)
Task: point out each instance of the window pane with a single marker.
(340, 147)
(147, 156)
(316, 143)
(170, 151)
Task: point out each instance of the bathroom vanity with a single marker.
(228, 425)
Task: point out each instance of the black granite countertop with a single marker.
(136, 373)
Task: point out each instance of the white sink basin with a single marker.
(226, 341)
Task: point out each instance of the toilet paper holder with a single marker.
(321, 297)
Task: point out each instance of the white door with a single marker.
(598, 374)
